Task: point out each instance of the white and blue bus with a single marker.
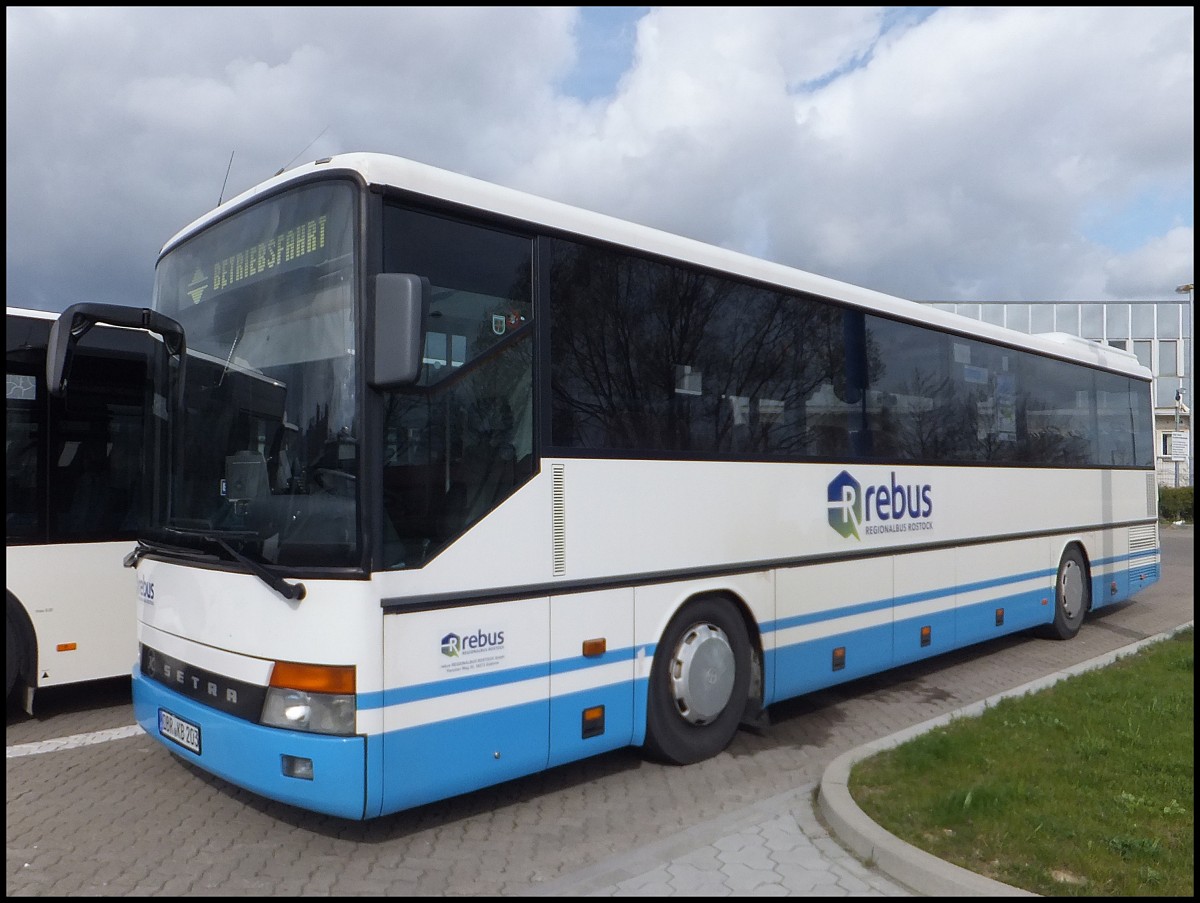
(73, 480)
(459, 484)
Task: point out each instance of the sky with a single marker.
(934, 153)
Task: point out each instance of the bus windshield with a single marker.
(263, 454)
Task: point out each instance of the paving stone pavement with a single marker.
(782, 847)
(777, 848)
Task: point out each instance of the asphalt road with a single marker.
(95, 808)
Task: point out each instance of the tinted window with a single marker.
(657, 359)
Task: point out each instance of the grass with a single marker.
(1082, 789)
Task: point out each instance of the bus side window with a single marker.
(461, 441)
(23, 432)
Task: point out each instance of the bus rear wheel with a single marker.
(1072, 596)
(699, 683)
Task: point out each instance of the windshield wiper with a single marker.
(287, 590)
(236, 340)
(144, 548)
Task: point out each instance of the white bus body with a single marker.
(567, 484)
(73, 470)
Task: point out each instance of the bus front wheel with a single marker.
(699, 683)
(12, 657)
(1071, 596)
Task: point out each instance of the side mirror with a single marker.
(77, 319)
(398, 325)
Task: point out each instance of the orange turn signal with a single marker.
(314, 678)
(594, 648)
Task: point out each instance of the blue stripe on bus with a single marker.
(973, 622)
(828, 614)
(454, 685)
(976, 621)
(959, 589)
(1141, 571)
(485, 748)
(808, 666)
(907, 638)
(899, 601)
(470, 752)
(581, 663)
(567, 740)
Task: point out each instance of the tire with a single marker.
(12, 656)
(1072, 596)
(698, 683)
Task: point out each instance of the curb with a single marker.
(921, 871)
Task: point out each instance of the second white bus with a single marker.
(74, 475)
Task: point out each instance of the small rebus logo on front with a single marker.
(454, 645)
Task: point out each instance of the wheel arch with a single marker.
(740, 604)
(754, 714)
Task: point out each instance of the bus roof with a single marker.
(30, 312)
(388, 170)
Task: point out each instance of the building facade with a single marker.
(1158, 332)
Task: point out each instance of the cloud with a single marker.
(1125, 275)
(996, 153)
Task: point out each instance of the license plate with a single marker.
(182, 732)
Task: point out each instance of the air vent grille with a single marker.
(1143, 554)
(558, 491)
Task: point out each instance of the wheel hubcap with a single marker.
(1071, 588)
(702, 673)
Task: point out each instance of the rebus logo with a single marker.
(454, 645)
(886, 508)
(845, 505)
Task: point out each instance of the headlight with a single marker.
(315, 698)
(299, 710)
